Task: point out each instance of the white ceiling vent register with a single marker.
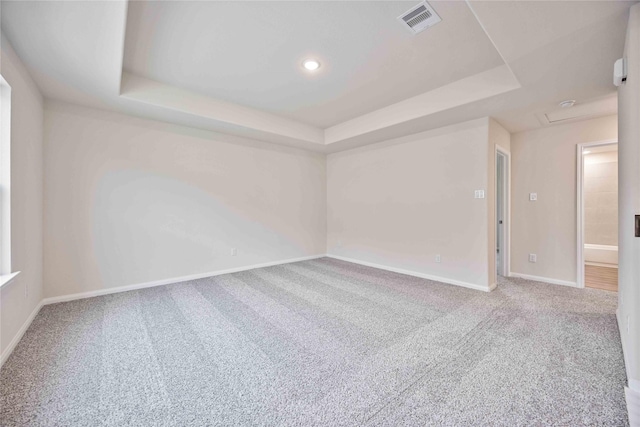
(419, 18)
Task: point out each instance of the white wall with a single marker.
(22, 296)
(401, 202)
(629, 206)
(544, 162)
(129, 201)
(601, 198)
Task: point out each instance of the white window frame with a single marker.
(6, 274)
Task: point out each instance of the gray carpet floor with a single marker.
(321, 343)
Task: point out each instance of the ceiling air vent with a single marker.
(419, 18)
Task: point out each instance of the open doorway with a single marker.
(598, 215)
(502, 212)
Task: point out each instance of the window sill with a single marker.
(5, 279)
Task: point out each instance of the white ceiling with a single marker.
(234, 66)
(251, 53)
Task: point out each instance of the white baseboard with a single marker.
(601, 264)
(416, 274)
(90, 294)
(633, 406)
(544, 279)
(16, 339)
(632, 392)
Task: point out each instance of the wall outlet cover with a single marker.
(533, 258)
(533, 196)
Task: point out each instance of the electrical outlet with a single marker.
(533, 197)
(234, 252)
(438, 259)
(533, 258)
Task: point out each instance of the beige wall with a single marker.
(129, 201)
(629, 206)
(401, 202)
(601, 198)
(21, 297)
(544, 162)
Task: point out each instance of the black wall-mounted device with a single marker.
(637, 225)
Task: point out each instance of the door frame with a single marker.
(506, 214)
(580, 204)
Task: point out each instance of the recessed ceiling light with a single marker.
(311, 64)
(568, 103)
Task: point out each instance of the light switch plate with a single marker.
(533, 196)
(479, 194)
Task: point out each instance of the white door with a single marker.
(500, 210)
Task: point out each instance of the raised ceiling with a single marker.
(234, 67)
(251, 53)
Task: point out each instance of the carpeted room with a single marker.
(321, 342)
(208, 239)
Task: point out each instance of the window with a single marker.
(5, 182)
